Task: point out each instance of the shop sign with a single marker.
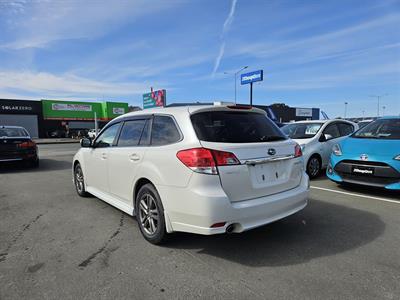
(70, 107)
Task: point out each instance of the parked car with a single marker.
(316, 139)
(17, 146)
(371, 156)
(363, 123)
(199, 169)
(57, 133)
(92, 133)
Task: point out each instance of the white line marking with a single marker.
(357, 195)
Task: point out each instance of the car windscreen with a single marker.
(235, 127)
(387, 129)
(13, 132)
(301, 130)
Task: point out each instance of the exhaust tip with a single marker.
(230, 228)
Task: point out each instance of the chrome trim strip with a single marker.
(266, 160)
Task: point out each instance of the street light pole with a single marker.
(345, 109)
(236, 73)
(379, 98)
(383, 110)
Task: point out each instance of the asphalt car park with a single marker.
(54, 244)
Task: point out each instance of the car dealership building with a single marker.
(43, 118)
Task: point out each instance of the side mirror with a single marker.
(328, 137)
(86, 143)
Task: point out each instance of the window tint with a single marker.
(131, 133)
(388, 129)
(235, 127)
(345, 129)
(106, 138)
(301, 130)
(13, 132)
(145, 139)
(164, 131)
(333, 131)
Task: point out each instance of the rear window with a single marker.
(13, 132)
(235, 127)
(164, 131)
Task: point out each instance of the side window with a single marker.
(107, 137)
(145, 138)
(345, 129)
(131, 133)
(333, 131)
(164, 131)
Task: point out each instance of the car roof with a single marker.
(390, 117)
(182, 109)
(7, 126)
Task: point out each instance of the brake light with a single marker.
(202, 160)
(26, 145)
(297, 151)
(225, 158)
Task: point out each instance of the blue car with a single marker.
(370, 156)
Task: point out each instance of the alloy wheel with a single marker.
(313, 167)
(148, 214)
(79, 182)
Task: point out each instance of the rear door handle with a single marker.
(134, 157)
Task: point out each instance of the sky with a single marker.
(313, 53)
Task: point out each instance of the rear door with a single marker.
(125, 158)
(267, 158)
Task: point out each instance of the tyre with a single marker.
(79, 181)
(150, 214)
(314, 166)
(33, 163)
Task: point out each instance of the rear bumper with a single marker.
(193, 210)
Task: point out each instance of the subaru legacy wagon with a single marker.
(199, 169)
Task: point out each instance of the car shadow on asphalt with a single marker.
(45, 165)
(321, 229)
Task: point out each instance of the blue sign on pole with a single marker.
(251, 77)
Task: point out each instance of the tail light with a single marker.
(297, 151)
(206, 161)
(27, 145)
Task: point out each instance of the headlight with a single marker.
(336, 150)
(397, 157)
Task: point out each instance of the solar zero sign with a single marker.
(252, 77)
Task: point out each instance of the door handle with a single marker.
(104, 155)
(134, 157)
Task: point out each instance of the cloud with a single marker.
(225, 28)
(51, 85)
(39, 23)
(219, 57)
(229, 20)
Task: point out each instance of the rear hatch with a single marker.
(10, 138)
(267, 163)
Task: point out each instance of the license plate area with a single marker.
(364, 171)
(270, 172)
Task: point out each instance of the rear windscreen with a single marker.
(235, 127)
(13, 132)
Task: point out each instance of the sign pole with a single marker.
(251, 93)
(96, 127)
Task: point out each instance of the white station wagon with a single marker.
(200, 169)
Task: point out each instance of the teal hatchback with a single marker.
(370, 156)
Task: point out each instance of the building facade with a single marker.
(58, 118)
